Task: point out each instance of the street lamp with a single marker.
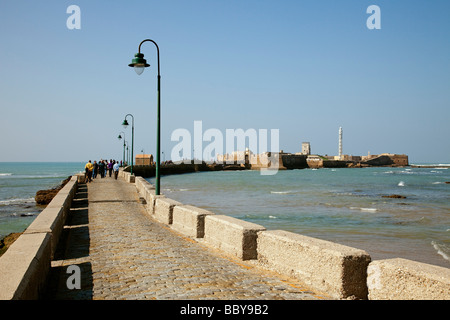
(120, 137)
(139, 64)
(128, 154)
(125, 125)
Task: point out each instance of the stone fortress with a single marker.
(305, 159)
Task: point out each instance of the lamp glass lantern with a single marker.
(139, 63)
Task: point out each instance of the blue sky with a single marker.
(303, 67)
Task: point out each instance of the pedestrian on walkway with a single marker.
(116, 169)
(95, 170)
(110, 166)
(106, 167)
(101, 168)
(88, 172)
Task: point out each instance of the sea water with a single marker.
(340, 205)
(343, 205)
(19, 182)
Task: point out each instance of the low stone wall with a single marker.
(128, 176)
(402, 279)
(330, 267)
(342, 272)
(25, 265)
(234, 236)
(147, 191)
(190, 220)
(163, 210)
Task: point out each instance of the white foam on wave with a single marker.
(272, 217)
(281, 192)
(369, 209)
(5, 174)
(15, 201)
(364, 209)
(441, 249)
(401, 184)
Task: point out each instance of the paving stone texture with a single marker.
(123, 253)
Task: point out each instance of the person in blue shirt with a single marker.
(116, 169)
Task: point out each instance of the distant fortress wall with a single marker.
(302, 161)
(386, 159)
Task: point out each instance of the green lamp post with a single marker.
(139, 64)
(120, 137)
(125, 125)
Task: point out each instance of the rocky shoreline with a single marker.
(43, 198)
(7, 241)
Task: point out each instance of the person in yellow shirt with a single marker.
(88, 168)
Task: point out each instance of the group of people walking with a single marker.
(102, 168)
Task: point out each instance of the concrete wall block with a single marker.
(80, 177)
(50, 220)
(339, 270)
(139, 182)
(25, 266)
(234, 236)
(147, 191)
(164, 209)
(402, 279)
(130, 178)
(150, 197)
(190, 220)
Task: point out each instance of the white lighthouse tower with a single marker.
(340, 143)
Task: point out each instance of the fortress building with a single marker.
(306, 148)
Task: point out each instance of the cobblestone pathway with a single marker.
(124, 254)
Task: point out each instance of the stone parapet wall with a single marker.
(327, 266)
(234, 236)
(340, 271)
(402, 279)
(190, 220)
(26, 264)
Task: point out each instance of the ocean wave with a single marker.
(49, 176)
(346, 194)
(282, 192)
(27, 214)
(364, 209)
(401, 184)
(8, 202)
(5, 174)
(441, 249)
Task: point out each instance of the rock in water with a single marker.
(7, 241)
(395, 196)
(43, 197)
